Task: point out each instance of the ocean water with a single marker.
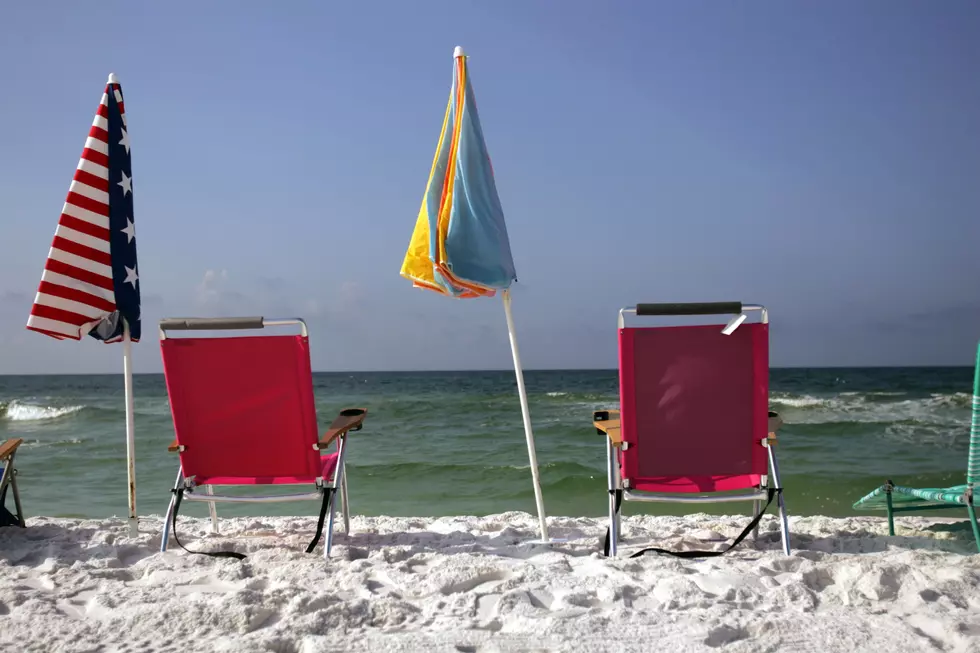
(443, 443)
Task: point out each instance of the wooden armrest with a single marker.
(9, 448)
(349, 419)
(775, 421)
(607, 422)
(174, 447)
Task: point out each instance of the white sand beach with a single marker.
(469, 584)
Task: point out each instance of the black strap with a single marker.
(711, 554)
(327, 492)
(173, 529)
(8, 518)
(619, 501)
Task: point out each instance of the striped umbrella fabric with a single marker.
(90, 283)
(973, 462)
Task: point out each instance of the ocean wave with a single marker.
(861, 400)
(798, 402)
(936, 413)
(36, 444)
(447, 471)
(16, 411)
(556, 394)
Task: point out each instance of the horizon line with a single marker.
(510, 369)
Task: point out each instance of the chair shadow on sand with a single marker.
(873, 541)
(105, 543)
(64, 544)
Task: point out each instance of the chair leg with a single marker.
(973, 522)
(9, 479)
(330, 518)
(613, 486)
(212, 510)
(891, 511)
(13, 488)
(345, 502)
(783, 518)
(168, 517)
(756, 507)
(17, 506)
(619, 515)
(619, 522)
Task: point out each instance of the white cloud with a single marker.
(209, 290)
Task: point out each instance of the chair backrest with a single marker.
(243, 406)
(694, 401)
(973, 462)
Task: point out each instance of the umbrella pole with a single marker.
(130, 429)
(526, 414)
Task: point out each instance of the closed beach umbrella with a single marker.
(460, 246)
(90, 284)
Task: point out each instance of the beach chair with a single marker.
(693, 424)
(244, 415)
(8, 479)
(897, 498)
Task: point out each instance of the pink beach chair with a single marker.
(694, 424)
(244, 415)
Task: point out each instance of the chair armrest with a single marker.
(607, 422)
(9, 448)
(775, 421)
(347, 420)
(174, 447)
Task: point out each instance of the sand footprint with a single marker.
(725, 634)
(83, 605)
(379, 584)
(476, 582)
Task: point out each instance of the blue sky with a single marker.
(821, 158)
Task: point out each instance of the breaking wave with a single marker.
(17, 411)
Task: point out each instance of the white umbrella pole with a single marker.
(130, 429)
(526, 414)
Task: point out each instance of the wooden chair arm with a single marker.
(9, 448)
(606, 422)
(775, 421)
(347, 420)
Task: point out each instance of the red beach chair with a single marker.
(244, 415)
(694, 424)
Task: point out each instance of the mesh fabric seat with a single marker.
(244, 415)
(693, 424)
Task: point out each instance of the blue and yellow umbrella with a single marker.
(460, 246)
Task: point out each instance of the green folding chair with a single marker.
(896, 498)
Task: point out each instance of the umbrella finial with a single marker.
(113, 79)
(458, 52)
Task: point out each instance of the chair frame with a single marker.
(348, 420)
(925, 499)
(607, 423)
(9, 477)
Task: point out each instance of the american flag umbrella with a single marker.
(90, 284)
(460, 247)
